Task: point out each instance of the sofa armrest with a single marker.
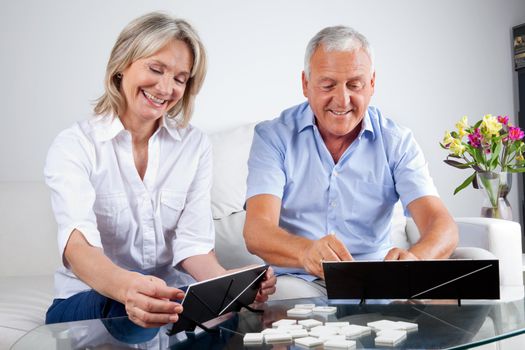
(500, 237)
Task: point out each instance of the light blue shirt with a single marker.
(352, 199)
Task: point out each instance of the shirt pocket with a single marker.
(113, 214)
(171, 207)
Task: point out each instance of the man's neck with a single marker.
(337, 145)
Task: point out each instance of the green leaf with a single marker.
(517, 170)
(465, 183)
(458, 165)
(454, 156)
(477, 124)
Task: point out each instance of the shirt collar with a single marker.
(172, 126)
(107, 127)
(366, 126)
(308, 119)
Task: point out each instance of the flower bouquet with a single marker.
(492, 147)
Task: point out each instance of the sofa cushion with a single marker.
(231, 149)
(398, 235)
(229, 242)
(23, 304)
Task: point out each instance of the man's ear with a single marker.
(373, 81)
(305, 84)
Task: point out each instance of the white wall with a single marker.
(436, 61)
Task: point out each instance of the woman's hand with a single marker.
(148, 301)
(267, 286)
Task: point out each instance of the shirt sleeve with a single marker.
(266, 173)
(411, 174)
(195, 233)
(66, 173)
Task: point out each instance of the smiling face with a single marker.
(154, 84)
(339, 89)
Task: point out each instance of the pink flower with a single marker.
(475, 138)
(516, 133)
(503, 120)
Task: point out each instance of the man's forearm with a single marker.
(274, 244)
(438, 241)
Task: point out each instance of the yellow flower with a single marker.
(462, 125)
(447, 139)
(456, 147)
(519, 157)
(490, 125)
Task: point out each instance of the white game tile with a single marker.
(290, 327)
(304, 306)
(253, 338)
(336, 324)
(310, 323)
(354, 331)
(328, 337)
(383, 325)
(390, 337)
(298, 312)
(308, 341)
(277, 338)
(323, 330)
(284, 321)
(298, 333)
(271, 331)
(325, 309)
(407, 326)
(339, 344)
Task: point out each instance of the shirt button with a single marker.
(335, 173)
(333, 204)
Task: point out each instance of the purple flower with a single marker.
(474, 139)
(503, 120)
(515, 133)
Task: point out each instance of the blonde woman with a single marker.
(130, 187)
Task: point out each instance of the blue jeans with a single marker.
(84, 306)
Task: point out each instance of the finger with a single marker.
(152, 304)
(148, 319)
(393, 254)
(339, 249)
(169, 293)
(156, 287)
(407, 255)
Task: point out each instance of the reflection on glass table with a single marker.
(441, 325)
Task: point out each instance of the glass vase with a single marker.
(495, 187)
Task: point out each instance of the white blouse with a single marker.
(148, 225)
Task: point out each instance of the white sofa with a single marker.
(29, 255)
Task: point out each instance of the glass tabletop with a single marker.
(441, 325)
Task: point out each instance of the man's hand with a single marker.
(328, 248)
(267, 286)
(400, 254)
(148, 301)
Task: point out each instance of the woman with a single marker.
(131, 186)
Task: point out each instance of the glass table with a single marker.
(442, 325)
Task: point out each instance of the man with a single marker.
(325, 175)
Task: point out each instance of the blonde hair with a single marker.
(141, 38)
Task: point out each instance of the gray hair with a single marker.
(337, 38)
(142, 38)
